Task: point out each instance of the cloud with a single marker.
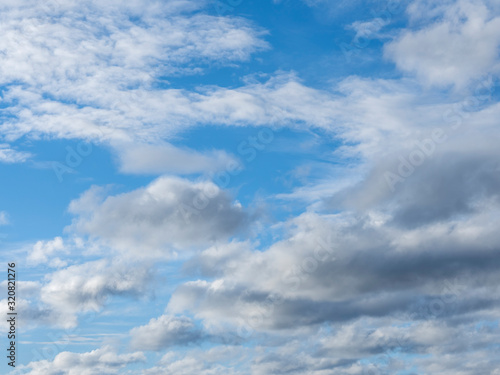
(34, 314)
(405, 144)
(341, 268)
(332, 9)
(218, 360)
(170, 213)
(166, 158)
(43, 251)
(164, 332)
(102, 361)
(87, 287)
(460, 46)
(366, 346)
(369, 278)
(9, 155)
(4, 218)
(115, 40)
(147, 115)
(105, 77)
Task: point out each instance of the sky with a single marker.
(251, 187)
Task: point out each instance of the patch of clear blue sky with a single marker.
(37, 200)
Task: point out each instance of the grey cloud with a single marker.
(165, 158)
(224, 360)
(167, 214)
(373, 271)
(449, 185)
(164, 332)
(87, 286)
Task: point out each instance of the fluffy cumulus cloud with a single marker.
(103, 361)
(170, 213)
(371, 289)
(42, 251)
(87, 287)
(164, 332)
(35, 313)
(329, 270)
(461, 46)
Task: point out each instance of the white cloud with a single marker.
(142, 115)
(213, 361)
(164, 332)
(43, 251)
(87, 287)
(165, 158)
(339, 268)
(103, 78)
(337, 288)
(34, 314)
(460, 46)
(4, 218)
(9, 155)
(170, 213)
(103, 361)
(368, 29)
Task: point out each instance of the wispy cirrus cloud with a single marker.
(4, 218)
(9, 155)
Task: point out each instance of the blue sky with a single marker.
(251, 187)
